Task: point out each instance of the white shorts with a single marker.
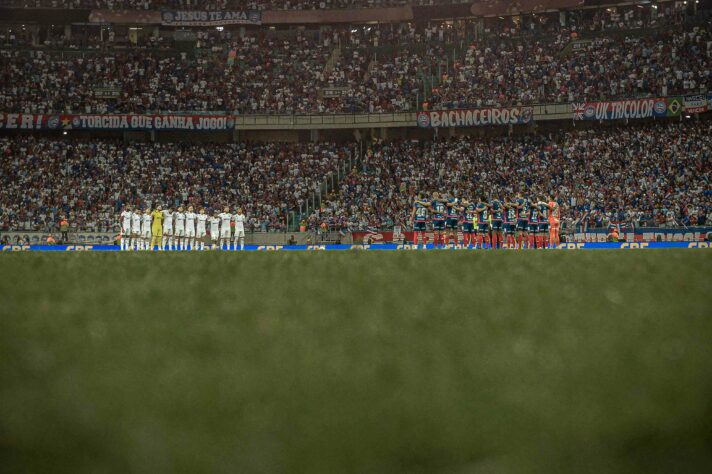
(180, 232)
(168, 231)
(201, 233)
(190, 232)
(126, 230)
(239, 233)
(224, 233)
(146, 234)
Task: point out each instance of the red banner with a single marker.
(196, 123)
(475, 117)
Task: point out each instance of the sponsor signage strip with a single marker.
(641, 234)
(628, 109)
(475, 117)
(565, 246)
(116, 122)
(211, 18)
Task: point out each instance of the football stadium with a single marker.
(369, 236)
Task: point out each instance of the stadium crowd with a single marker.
(535, 72)
(643, 175)
(384, 69)
(646, 176)
(42, 179)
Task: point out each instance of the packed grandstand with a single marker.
(317, 123)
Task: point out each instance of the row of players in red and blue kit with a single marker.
(521, 223)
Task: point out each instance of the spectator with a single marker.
(647, 174)
(64, 230)
(41, 179)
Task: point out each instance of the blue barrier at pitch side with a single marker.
(566, 246)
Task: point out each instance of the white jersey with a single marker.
(225, 218)
(136, 222)
(202, 219)
(214, 226)
(240, 222)
(180, 223)
(146, 225)
(190, 221)
(167, 222)
(126, 224)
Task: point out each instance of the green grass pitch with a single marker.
(364, 362)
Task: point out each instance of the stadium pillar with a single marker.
(35, 31)
(67, 32)
(314, 135)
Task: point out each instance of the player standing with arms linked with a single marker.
(240, 220)
(126, 228)
(180, 228)
(135, 228)
(453, 219)
(543, 232)
(146, 229)
(554, 222)
(509, 223)
(533, 226)
(190, 228)
(522, 206)
(483, 225)
(214, 222)
(469, 233)
(225, 218)
(497, 215)
(157, 228)
(168, 228)
(437, 207)
(419, 220)
(201, 232)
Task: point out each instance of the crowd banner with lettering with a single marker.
(275, 17)
(211, 18)
(628, 109)
(330, 92)
(209, 123)
(696, 104)
(475, 117)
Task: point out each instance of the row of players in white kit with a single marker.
(146, 230)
